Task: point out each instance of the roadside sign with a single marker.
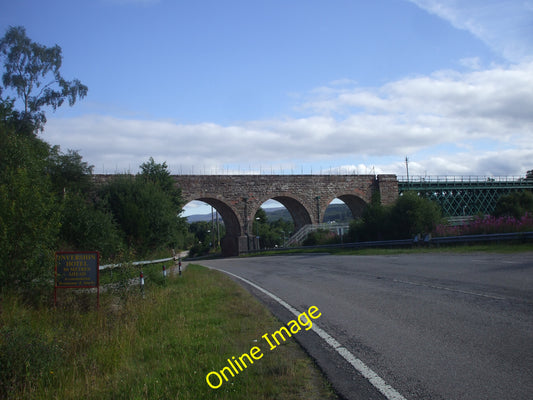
(75, 270)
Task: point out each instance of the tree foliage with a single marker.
(412, 215)
(68, 171)
(515, 204)
(49, 202)
(48, 199)
(159, 175)
(203, 237)
(85, 225)
(29, 214)
(271, 234)
(32, 71)
(146, 208)
(408, 216)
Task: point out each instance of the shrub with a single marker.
(29, 214)
(408, 216)
(514, 205)
(85, 227)
(144, 212)
(320, 237)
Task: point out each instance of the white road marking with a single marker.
(388, 391)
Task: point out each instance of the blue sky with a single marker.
(270, 86)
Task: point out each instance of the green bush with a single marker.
(199, 249)
(320, 237)
(29, 213)
(408, 216)
(412, 215)
(514, 205)
(85, 227)
(144, 212)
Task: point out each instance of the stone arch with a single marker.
(299, 213)
(355, 203)
(230, 242)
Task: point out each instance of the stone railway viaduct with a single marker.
(238, 197)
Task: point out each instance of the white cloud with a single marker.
(448, 122)
(505, 26)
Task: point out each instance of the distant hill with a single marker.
(335, 212)
(200, 217)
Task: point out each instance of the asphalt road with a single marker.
(432, 326)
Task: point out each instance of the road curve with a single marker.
(432, 326)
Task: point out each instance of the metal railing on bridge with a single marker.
(464, 195)
(403, 179)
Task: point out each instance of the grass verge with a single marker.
(157, 346)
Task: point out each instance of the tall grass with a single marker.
(488, 224)
(157, 346)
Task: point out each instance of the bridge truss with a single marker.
(464, 195)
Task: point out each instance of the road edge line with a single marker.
(379, 383)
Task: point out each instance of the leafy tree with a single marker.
(84, 226)
(158, 174)
(200, 230)
(374, 223)
(29, 214)
(515, 204)
(260, 217)
(32, 71)
(144, 212)
(376, 219)
(11, 119)
(35, 214)
(412, 215)
(282, 230)
(408, 216)
(271, 234)
(69, 173)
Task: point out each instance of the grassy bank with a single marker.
(160, 346)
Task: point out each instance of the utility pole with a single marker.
(212, 228)
(218, 228)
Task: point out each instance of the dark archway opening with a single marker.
(217, 229)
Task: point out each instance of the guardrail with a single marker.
(417, 241)
(136, 263)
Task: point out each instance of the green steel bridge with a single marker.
(464, 195)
